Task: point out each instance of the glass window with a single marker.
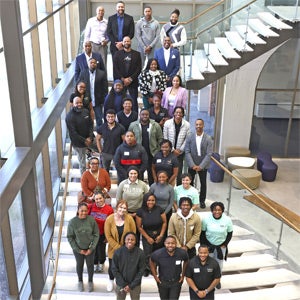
(67, 11)
(39, 167)
(24, 14)
(7, 135)
(30, 71)
(4, 291)
(58, 44)
(18, 236)
(53, 156)
(44, 48)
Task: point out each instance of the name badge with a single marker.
(158, 161)
(148, 129)
(196, 270)
(178, 262)
(126, 153)
(209, 270)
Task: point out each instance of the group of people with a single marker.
(169, 246)
(159, 210)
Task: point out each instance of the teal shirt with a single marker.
(192, 193)
(83, 234)
(217, 229)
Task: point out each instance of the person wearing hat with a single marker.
(114, 99)
(174, 31)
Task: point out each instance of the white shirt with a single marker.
(198, 143)
(92, 86)
(95, 30)
(167, 55)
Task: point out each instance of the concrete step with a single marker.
(225, 48)
(251, 262)
(272, 21)
(214, 55)
(237, 42)
(286, 292)
(261, 28)
(269, 277)
(203, 62)
(249, 35)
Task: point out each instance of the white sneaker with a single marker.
(101, 268)
(110, 285)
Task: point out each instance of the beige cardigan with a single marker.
(111, 233)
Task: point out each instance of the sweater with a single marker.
(83, 234)
(133, 193)
(164, 194)
(89, 183)
(128, 266)
(111, 233)
(100, 214)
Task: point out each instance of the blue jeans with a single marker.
(98, 109)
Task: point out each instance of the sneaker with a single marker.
(97, 269)
(110, 285)
(80, 286)
(101, 268)
(218, 286)
(91, 287)
(202, 205)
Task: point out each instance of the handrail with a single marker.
(275, 212)
(221, 20)
(61, 223)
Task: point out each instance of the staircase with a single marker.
(250, 272)
(229, 46)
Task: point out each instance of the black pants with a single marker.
(180, 167)
(110, 273)
(202, 176)
(169, 290)
(100, 254)
(89, 260)
(193, 295)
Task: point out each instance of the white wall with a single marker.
(239, 98)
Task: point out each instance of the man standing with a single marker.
(174, 30)
(176, 131)
(119, 25)
(112, 134)
(202, 275)
(82, 61)
(149, 134)
(128, 266)
(80, 126)
(168, 59)
(96, 32)
(171, 263)
(147, 32)
(185, 225)
(129, 154)
(127, 66)
(198, 150)
(127, 115)
(97, 87)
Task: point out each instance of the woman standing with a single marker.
(186, 190)
(99, 210)
(83, 235)
(174, 96)
(217, 232)
(151, 222)
(152, 80)
(95, 179)
(115, 228)
(164, 193)
(165, 160)
(158, 113)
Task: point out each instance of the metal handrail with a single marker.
(61, 223)
(271, 209)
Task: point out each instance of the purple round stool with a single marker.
(263, 157)
(269, 171)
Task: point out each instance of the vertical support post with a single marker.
(279, 241)
(229, 195)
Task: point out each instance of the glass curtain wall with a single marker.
(43, 38)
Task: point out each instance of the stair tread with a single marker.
(261, 28)
(250, 262)
(203, 62)
(225, 48)
(273, 21)
(260, 278)
(237, 42)
(285, 12)
(252, 37)
(214, 55)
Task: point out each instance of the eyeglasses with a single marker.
(94, 164)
